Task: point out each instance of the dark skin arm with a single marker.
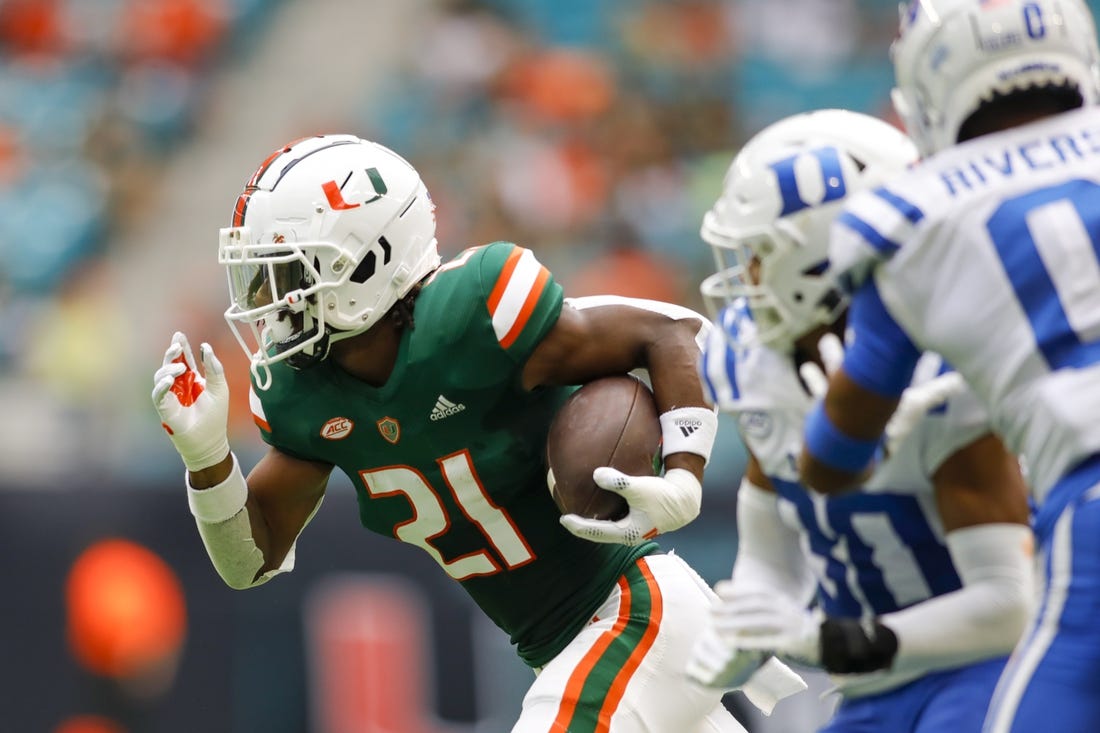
(282, 494)
(755, 474)
(858, 413)
(584, 344)
(614, 339)
(980, 484)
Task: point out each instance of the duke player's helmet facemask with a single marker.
(328, 234)
(769, 230)
(951, 56)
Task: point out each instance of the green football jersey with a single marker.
(449, 454)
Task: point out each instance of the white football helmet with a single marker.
(952, 55)
(328, 234)
(769, 230)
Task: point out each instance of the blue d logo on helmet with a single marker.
(786, 171)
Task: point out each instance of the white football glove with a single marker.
(766, 621)
(193, 409)
(915, 401)
(657, 504)
(714, 663)
(831, 350)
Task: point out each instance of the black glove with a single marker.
(849, 645)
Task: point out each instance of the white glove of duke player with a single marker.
(657, 504)
(915, 401)
(193, 409)
(831, 350)
(766, 621)
(714, 663)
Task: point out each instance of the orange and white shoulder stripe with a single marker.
(515, 294)
(257, 410)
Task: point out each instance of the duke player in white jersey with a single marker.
(923, 577)
(989, 253)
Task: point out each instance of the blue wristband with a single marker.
(827, 444)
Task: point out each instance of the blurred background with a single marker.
(595, 132)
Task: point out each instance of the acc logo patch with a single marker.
(337, 428)
(390, 429)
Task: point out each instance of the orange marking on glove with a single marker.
(186, 389)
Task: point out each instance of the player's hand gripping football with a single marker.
(915, 402)
(193, 407)
(656, 504)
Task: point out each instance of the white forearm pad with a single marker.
(984, 618)
(769, 554)
(689, 430)
(228, 536)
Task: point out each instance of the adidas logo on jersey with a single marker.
(445, 408)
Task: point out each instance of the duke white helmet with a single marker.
(770, 228)
(953, 55)
(328, 234)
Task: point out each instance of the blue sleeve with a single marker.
(881, 357)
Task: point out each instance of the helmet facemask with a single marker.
(781, 278)
(273, 296)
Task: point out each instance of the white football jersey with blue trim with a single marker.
(989, 254)
(872, 551)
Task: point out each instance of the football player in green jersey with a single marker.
(432, 386)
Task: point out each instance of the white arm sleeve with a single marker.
(985, 617)
(673, 311)
(222, 520)
(769, 553)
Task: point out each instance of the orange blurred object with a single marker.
(562, 85)
(32, 26)
(126, 610)
(183, 31)
(629, 272)
(88, 724)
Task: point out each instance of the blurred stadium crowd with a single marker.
(595, 133)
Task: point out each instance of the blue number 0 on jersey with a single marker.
(1049, 243)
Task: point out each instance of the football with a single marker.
(611, 421)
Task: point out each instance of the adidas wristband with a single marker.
(688, 430)
(852, 646)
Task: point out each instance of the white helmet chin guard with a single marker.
(779, 198)
(329, 233)
(953, 55)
